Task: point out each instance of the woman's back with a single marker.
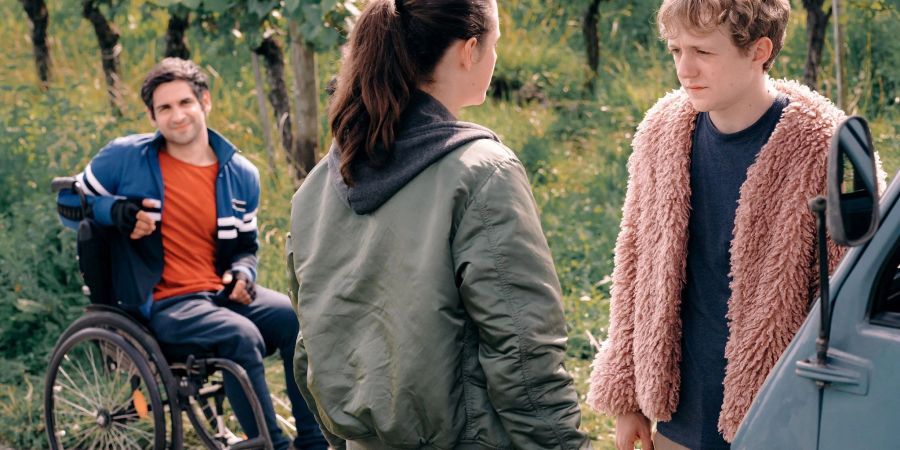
(402, 309)
(430, 312)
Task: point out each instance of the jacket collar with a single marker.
(222, 147)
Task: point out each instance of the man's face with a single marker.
(714, 72)
(180, 116)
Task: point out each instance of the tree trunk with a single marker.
(175, 45)
(591, 36)
(273, 59)
(303, 63)
(108, 39)
(37, 13)
(816, 23)
(838, 55)
(263, 113)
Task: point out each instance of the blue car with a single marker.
(837, 385)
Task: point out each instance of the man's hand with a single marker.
(633, 427)
(144, 225)
(130, 219)
(243, 288)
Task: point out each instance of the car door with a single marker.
(861, 404)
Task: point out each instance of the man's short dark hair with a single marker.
(171, 69)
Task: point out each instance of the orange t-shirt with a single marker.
(188, 228)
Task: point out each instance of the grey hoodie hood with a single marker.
(426, 134)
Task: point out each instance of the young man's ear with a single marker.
(762, 50)
(206, 102)
(151, 118)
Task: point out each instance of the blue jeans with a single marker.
(244, 334)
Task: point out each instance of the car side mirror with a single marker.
(852, 212)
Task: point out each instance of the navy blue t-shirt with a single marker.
(719, 164)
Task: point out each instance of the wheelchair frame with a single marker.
(160, 389)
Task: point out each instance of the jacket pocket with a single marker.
(482, 421)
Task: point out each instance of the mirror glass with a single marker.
(852, 185)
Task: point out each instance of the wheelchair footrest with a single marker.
(257, 442)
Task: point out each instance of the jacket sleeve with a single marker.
(612, 383)
(245, 259)
(301, 361)
(509, 288)
(100, 182)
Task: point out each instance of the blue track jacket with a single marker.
(128, 167)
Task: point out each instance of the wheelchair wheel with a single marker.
(205, 408)
(100, 393)
(113, 319)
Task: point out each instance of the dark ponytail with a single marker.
(394, 47)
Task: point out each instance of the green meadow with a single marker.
(571, 130)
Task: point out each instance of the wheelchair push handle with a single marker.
(71, 183)
(60, 183)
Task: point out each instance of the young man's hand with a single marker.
(130, 219)
(144, 225)
(633, 427)
(243, 291)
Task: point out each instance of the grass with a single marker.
(573, 142)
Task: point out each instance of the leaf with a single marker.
(261, 8)
(328, 5)
(254, 38)
(290, 6)
(30, 306)
(328, 38)
(214, 6)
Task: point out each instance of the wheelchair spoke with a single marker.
(99, 384)
(127, 433)
(76, 406)
(115, 373)
(84, 436)
(90, 350)
(122, 417)
(103, 442)
(76, 367)
(70, 388)
(95, 443)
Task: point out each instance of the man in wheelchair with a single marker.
(178, 210)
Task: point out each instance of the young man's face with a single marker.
(179, 115)
(714, 72)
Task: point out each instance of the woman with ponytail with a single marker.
(430, 311)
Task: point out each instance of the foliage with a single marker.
(21, 408)
(323, 23)
(574, 144)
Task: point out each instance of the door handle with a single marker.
(843, 372)
(827, 374)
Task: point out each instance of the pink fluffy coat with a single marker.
(773, 258)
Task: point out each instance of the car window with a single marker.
(886, 307)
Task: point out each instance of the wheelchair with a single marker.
(110, 385)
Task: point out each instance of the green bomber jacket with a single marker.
(435, 321)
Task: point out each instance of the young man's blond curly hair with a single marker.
(746, 20)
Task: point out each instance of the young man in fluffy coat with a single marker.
(715, 259)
